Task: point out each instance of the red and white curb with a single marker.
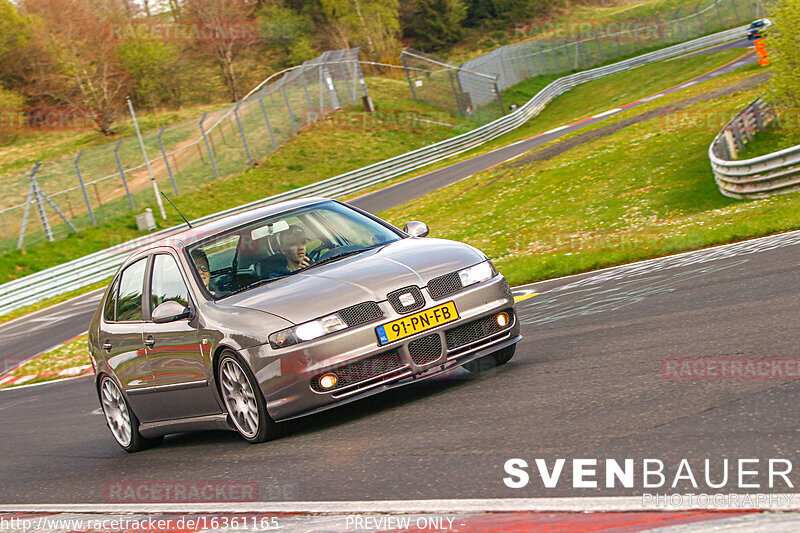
(75, 371)
(365, 521)
(7, 380)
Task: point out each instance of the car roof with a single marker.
(192, 235)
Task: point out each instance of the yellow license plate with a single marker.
(412, 324)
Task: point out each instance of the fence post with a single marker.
(266, 119)
(700, 16)
(288, 107)
(27, 207)
(166, 161)
(122, 174)
(241, 133)
(305, 90)
(321, 91)
(40, 205)
(499, 97)
(208, 146)
(408, 77)
(83, 188)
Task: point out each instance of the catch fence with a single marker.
(56, 198)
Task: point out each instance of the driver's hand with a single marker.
(305, 261)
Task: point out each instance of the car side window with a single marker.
(168, 284)
(110, 307)
(131, 284)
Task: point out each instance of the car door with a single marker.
(121, 339)
(180, 365)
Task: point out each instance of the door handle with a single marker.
(149, 342)
(107, 346)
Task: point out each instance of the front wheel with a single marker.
(244, 401)
(121, 420)
(493, 360)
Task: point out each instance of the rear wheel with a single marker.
(121, 420)
(493, 360)
(244, 401)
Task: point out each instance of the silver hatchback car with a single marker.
(286, 311)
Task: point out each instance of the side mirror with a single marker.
(171, 311)
(416, 229)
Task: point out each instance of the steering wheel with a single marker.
(323, 249)
(335, 251)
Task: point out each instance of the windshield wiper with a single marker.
(341, 256)
(260, 282)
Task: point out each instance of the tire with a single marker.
(247, 409)
(493, 360)
(121, 420)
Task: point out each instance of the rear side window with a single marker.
(110, 307)
(131, 283)
(168, 284)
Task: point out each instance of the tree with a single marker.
(287, 29)
(224, 46)
(436, 24)
(72, 60)
(784, 47)
(154, 67)
(373, 24)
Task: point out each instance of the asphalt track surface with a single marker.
(586, 382)
(24, 338)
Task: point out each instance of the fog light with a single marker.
(328, 381)
(502, 320)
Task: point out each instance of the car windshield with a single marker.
(282, 245)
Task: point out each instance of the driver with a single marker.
(292, 245)
(201, 263)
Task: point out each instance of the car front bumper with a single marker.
(287, 380)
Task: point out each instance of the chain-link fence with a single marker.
(58, 197)
(474, 88)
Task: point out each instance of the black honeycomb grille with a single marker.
(400, 307)
(361, 370)
(361, 313)
(444, 285)
(474, 331)
(425, 350)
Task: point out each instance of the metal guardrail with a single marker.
(101, 265)
(759, 177)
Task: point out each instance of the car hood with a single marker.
(368, 276)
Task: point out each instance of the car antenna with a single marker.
(178, 210)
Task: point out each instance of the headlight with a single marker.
(476, 274)
(307, 331)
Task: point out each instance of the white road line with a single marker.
(607, 113)
(571, 504)
(556, 130)
(651, 98)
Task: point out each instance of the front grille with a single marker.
(361, 370)
(425, 350)
(444, 285)
(474, 331)
(360, 313)
(394, 299)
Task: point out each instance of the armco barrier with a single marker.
(759, 177)
(100, 265)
